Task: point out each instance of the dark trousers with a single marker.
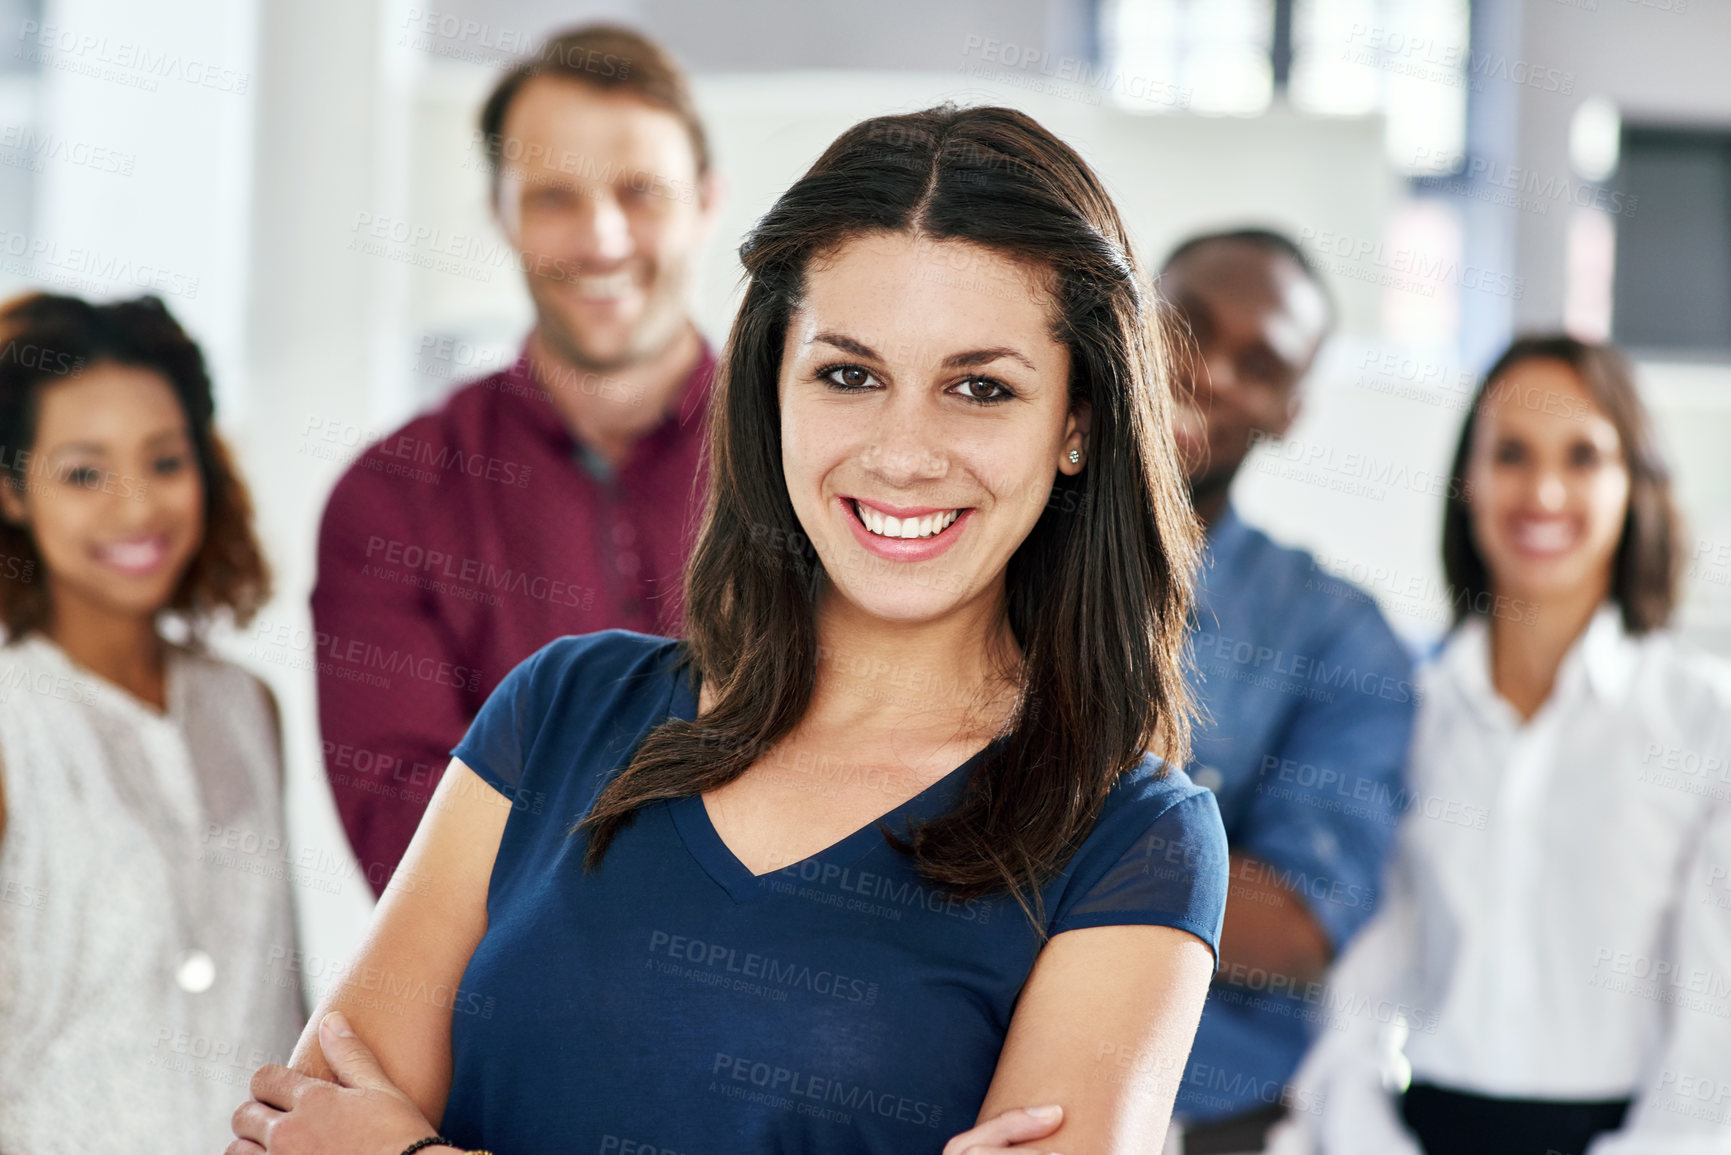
(1246, 1132)
(1457, 1123)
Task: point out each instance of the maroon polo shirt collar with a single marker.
(686, 406)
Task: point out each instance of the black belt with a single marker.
(1233, 1135)
(1458, 1123)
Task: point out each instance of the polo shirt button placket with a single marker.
(627, 563)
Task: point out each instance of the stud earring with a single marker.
(1075, 457)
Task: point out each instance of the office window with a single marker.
(1218, 52)
(1671, 288)
(1407, 60)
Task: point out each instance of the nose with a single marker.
(904, 449)
(1217, 376)
(1550, 493)
(135, 505)
(129, 508)
(603, 227)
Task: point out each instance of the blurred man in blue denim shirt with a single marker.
(1307, 693)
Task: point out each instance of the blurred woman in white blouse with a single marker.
(144, 891)
(1549, 971)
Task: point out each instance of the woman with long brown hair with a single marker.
(1549, 967)
(879, 849)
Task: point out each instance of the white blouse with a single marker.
(137, 992)
(1556, 921)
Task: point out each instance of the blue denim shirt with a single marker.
(1308, 704)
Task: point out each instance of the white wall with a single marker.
(317, 316)
(1661, 62)
(161, 104)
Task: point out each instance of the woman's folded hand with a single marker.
(362, 1113)
(996, 1135)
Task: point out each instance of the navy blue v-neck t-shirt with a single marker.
(672, 1003)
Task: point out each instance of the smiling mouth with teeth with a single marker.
(883, 525)
(1543, 537)
(608, 287)
(135, 555)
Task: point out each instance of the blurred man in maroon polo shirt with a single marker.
(558, 496)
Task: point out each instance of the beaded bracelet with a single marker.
(429, 1141)
(436, 1141)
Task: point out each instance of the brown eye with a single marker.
(550, 198)
(1510, 453)
(985, 389)
(848, 376)
(1258, 367)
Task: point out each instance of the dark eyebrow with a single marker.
(977, 357)
(82, 447)
(177, 434)
(968, 360)
(848, 345)
(1262, 348)
(1190, 305)
(1193, 307)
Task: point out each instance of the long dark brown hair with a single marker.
(46, 338)
(1647, 564)
(1098, 593)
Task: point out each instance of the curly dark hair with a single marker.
(45, 339)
